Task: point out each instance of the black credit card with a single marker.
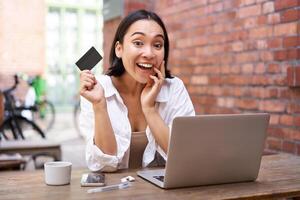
(89, 59)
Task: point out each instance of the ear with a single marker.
(118, 49)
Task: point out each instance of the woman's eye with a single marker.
(138, 43)
(158, 45)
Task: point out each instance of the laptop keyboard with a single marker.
(160, 178)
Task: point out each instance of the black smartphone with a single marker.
(92, 179)
(89, 59)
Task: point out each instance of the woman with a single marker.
(127, 114)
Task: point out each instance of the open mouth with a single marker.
(145, 66)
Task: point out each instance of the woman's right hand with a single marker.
(90, 88)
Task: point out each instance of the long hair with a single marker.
(116, 65)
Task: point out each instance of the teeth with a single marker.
(145, 65)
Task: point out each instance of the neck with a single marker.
(125, 84)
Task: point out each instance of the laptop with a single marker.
(212, 149)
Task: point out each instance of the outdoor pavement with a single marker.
(72, 144)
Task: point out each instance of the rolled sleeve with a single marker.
(98, 161)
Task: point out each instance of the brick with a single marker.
(290, 15)
(292, 134)
(274, 43)
(285, 29)
(202, 80)
(261, 32)
(225, 69)
(266, 56)
(289, 147)
(268, 7)
(262, 20)
(259, 81)
(213, 1)
(248, 11)
(246, 2)
(216, 91)
(247, 57)
(293, 107)
(282, 4)
(237, 46)
(235, 69)
(231, 4)
(287, 120)
(274, 143)
(297, 121)
(237, 80)
(273, 18)
(208, 100)
(238, 35)
(249, 104)
(292, 41)
(215, 80)
(273, 68)
(212, 8)
(280, 55)
(293, 80)
(293, 54)
(284, 94)
(261, 44)
(273, 130)
(298, 149)
(247, 68)
(278, 80)
(260, 68)
(250, 22)
(218, 28)
(225, 102)
(272, 106)
(274, 120)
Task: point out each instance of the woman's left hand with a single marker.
(152, 89)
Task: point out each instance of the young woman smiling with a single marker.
(128, 113)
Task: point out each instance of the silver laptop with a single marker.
(212, 149)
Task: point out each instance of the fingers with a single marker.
(163, 69)
(156, 82)
(87, 80)
(160, 75)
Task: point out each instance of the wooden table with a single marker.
(27, 147)
(279, 177)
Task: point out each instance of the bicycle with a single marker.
(15, 126)
(44, 112)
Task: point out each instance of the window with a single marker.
(73, 26)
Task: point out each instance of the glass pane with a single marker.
(53, 40)
(89, 31)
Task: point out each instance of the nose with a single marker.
(148, 52)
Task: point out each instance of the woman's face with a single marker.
(142, 49)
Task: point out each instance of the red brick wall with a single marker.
(239, 56)
(22, 41)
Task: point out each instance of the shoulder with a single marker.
(174, 83)
(105, 82)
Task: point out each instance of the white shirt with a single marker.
(172, 100)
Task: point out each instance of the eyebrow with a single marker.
(141, 33)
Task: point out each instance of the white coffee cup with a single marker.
(57, 172)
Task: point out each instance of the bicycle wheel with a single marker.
(44, 117)
(19, 127)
